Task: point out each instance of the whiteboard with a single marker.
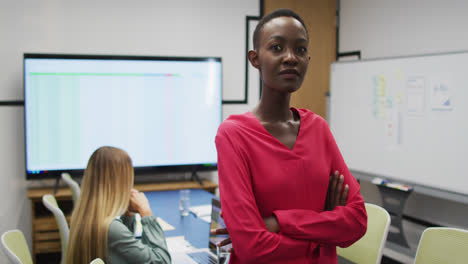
(404, 118)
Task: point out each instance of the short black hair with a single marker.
(272, 15)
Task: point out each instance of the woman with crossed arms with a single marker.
(287, 195)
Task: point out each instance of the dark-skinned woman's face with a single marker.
(282, 55)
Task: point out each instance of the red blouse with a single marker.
(259, 176)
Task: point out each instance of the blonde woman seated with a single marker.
(99, 230)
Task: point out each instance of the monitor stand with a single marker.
(195, 177)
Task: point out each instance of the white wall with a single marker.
(15, 207)
(388, 28)
(140, 27)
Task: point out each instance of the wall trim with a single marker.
(11, 103)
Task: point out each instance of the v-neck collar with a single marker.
(277, 140)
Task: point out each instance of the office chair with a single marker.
(442, 245)
(369, 248)
(49, 201)
(74, 187)
(15, 247)
(97, 261)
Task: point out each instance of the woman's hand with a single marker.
(139, 203)
(271, 224)
(337, 195)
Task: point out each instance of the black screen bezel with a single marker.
(53, 174)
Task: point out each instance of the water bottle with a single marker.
(184, 202)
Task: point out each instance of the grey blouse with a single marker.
(125, 248)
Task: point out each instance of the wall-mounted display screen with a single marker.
(164, 111)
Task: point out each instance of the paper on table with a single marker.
(206, 218)
(178, 244)
(201, 210)
(164, 225)
(139, 229)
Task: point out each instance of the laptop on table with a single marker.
(182, 252)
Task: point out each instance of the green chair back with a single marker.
(15, 247)
(49, 201)
(74, 187)
(97, 261)
(442, 245)
(368, 249)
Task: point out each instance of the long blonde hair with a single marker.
(105, 193)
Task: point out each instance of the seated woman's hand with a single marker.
(129, 211)
(139, 203)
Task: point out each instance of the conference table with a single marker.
(165, 204)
